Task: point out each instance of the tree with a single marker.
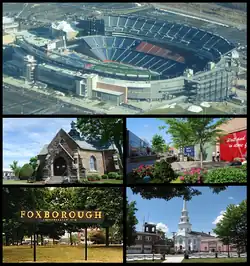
(169, 192)
(161, 233)
(33, 162)
(109, 200)
(97, 237)
(15, 168)
(115, 234)
(192, 131)
(103, 130)
(232, 228)
(131, 223)
(26, 171)
(158, 144)
(179, 131)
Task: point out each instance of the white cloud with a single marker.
(231, 198)
(213, 234)
(24, 138)
(219, 218)
(163, 227)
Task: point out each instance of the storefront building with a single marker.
(136, 145)
(234, 143)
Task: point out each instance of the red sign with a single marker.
(233, 145)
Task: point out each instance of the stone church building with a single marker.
(68, 155)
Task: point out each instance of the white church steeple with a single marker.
(184, 205)
(184, 225)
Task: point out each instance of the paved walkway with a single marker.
(174, 259)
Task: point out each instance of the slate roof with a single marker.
(84, 145)
(44, 150)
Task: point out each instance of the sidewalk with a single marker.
(174, 259)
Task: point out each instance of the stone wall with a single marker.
(85, 160)
(109, 161)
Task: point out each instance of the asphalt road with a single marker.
(19, 101)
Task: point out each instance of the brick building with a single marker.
(150, 241)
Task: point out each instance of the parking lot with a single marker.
(19, 101)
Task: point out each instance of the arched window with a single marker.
(92, 163)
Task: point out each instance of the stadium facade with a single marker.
(135, 58)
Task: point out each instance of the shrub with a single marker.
(171, 159)
(190, 159)
(112, 175)
(25, 172)
(195, 175)
(104, 176)
(119, 177)
(244, 167)
(84, 181)
(31, 179)
(94, 177)
(97, 237)
(227, 175)
(160, 172)
(164, 172)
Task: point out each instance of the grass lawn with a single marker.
(218, 260)
(20, 182)
(63, 254)
(103, 181)
(145, 261)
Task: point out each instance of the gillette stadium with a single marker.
(121, 57)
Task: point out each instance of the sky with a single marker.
(24, 138)
(146, 128)
(204, 210)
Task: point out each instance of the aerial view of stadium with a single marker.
(124, 58)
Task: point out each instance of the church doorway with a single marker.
(180, 247)
(60, 167)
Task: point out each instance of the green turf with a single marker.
(121, 70)
(218, 260)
